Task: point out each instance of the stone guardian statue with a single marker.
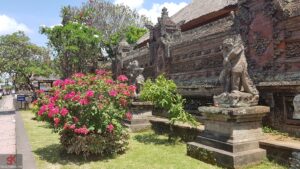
(238, 88)
(135, 74)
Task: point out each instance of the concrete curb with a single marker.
(23, 144)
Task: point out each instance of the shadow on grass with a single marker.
(151, 138)
(56, 154)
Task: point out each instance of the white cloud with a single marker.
(133, 4)
(155, 11)
(10, 25)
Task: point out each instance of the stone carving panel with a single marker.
(260, 44)
(293, 50)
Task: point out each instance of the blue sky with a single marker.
(28, 15)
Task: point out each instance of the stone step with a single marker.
(280, 151)
(138, 127)
(224, 158)
(137, 121)
(227, 146)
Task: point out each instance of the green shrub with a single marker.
(105, 144)
(163, 93)
(88, 111)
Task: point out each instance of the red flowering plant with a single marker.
(87, 111)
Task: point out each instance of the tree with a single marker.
(22, 59)
(77, 47)
(115, 21)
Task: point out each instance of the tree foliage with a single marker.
(77, 47)
(21, 59)
(115, 21)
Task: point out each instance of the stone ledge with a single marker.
(182, 130)
(240, 115)
(235, 111)
(279, 151)
(281, 145)
(135, 103)
(223, 158)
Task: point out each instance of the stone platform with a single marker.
(141, 114)
(231, 136)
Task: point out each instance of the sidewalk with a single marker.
(8, 126)
(13, 137)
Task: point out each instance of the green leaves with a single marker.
(77, 47)
(163, 93)
(22, 59)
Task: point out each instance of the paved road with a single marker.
(13, 137)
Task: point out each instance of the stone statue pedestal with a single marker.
(236, 99)
(231, 136)
(141, 114)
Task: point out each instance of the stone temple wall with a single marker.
(271, 33)
(197, 58)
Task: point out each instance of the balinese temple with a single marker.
(187, 47)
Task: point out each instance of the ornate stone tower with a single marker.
(161, 36)
(121, 51)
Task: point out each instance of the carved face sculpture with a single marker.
(296, 103)
(135, 63)
(228, 45)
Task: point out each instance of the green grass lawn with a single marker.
(146, 151)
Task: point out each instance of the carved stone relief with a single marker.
(293, 50)
(260, 44)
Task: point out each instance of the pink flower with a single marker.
(132, 88)
(40, 112)
(57, 83)
(35, 102)
(128, 115)
(69, 81)
(40, 91)
(56, 93)
(113, 93)
(123, 102)
(75, 119)
(109, 81)
(93, 78)
(69, 95)
(79, 75)
(53, 111)
(126, 93)
(122, 78)
(76, 98)
(66, 126)
(90, 93)
(122, 85)
(72, 127)
(110, 128)
(64, 112)
(51, 105)
(53, 99)
(83, 130)
(83, 101)
(101, 97)
(101, 72)
(56, 121)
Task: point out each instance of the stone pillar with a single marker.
(141, 114)
(295, 160)
(296, 103)
(231, 136)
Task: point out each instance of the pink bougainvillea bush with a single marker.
(87, 111)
